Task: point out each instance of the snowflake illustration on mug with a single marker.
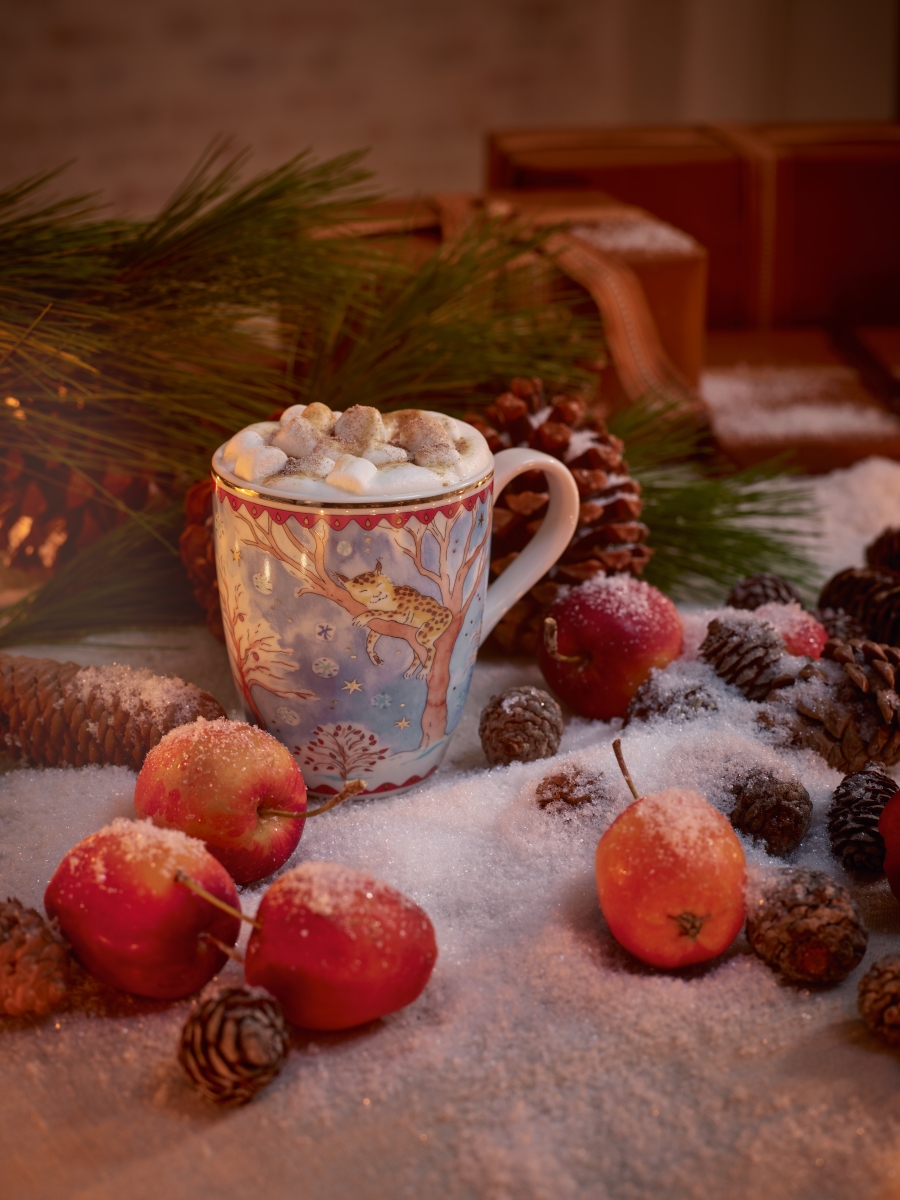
(382, 700)
(325, 668)
(324, 631)
(287, 715)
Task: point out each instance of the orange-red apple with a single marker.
(670, 878)
(130, 922)
(210, 779)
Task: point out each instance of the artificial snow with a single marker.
(542, 1061)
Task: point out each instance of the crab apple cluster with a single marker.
(233, 786)
(151, 911)
(603, 639)
(670, 879)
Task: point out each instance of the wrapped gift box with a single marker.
(800, 220)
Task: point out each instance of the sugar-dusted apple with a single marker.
(602, 640)
(229, 784)
(670, 878)
(338, 947)
(800, 631)
(889, 828)
(118, 900)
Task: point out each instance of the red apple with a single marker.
(338, 947)
(670, 879)
(889, 828)
(132, 925)
(611, 632)
(211, 778)
(800, 631)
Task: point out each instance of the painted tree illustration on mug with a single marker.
(343, 749)
(430, 626)
(255, 650)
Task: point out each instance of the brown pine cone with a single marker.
(884, 553)
(522, 724)
(34, 965)
(609, 537)
(774, 810)
(879, 998)
(806, 926)
(234, 1044)
(660, 696)
(53, 713)
(871, 597)
(849, 711)
(756, 590)
(853, 817)
(571, 786)
(747, 653)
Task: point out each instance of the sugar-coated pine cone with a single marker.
(853, 819)
(54, 713)
(34, 965)
(746, 652)
(755, 590)
(871, 597)
(572, 786)
(659, 696)
(884, 553)
(234, 1043)
(805, 925)
(522, 724)
(774, 810)
(879, 998)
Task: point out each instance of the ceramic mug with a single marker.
(352, 629)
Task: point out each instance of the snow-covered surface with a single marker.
(768, 404)
(636, 236)
(541, 1061)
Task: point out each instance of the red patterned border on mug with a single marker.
(365, 521)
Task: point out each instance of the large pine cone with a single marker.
(746, 652)
(806, 926)
(853, 819)
(610, 536)
(234, 1044)
(34, 965)
(53, 713)
(884, 553)
(870, 597)
(756, 590)
(848, 709)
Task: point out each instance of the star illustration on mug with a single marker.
(236, 553)
(401, 724)
(351, 686)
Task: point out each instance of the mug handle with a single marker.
(550, 540)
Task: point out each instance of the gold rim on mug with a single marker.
(440, 498)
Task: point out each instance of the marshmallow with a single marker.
(295, 410)
(383, 453)
(259, 462)
(360, 427)
(352, 474)
(245, 440)
(297, 438)
(320, 416)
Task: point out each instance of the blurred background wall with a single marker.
(134, 89)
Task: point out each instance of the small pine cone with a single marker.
(234, 1044)
(520, 725)
(659, 697)
(745, 652)
(806, 926)
(872, 597)
(839, 624)
(34, 965)
(54, 713)
(879, 998)
(884, 553)
(853, 819)
(777, 811)
(572, 786)
(755, 590)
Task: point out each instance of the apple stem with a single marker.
(353, 788)
(200, 890)
(551, 644)
(224, 947)
(620, 759)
